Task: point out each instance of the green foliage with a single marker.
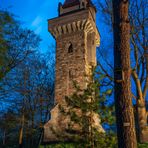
(143, 145)
(61, 145)
(6, 22)
(103, 141)
(15, 42)
(82, 105)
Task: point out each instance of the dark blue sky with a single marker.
(33, 14)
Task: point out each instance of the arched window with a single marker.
(83, 4)
(70, 48)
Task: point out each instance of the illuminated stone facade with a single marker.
(76, 38)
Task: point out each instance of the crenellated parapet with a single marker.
(72, 27)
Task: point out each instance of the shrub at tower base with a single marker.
(80, 108)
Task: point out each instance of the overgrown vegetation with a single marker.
(84, 107)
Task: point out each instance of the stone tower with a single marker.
(76, 38)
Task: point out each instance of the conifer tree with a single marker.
(82, 105)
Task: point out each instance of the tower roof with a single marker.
(74, 5)
(69, 3)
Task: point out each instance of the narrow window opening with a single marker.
(70, 48)
(83, 4)
(70, 74)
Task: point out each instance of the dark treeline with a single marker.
(27, 77)
(26, 84)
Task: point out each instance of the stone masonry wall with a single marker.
(69, 66)
(76, 40)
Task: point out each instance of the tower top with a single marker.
(74, 5)
(70, 3)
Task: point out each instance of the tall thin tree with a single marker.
(122, 71)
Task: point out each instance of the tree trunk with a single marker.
(21, 132)
(123, 100)
(4, 138)
(141, 113)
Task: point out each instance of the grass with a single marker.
(143, 145)
(62, 145)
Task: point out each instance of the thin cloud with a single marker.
(38, 30)
(36, 21)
